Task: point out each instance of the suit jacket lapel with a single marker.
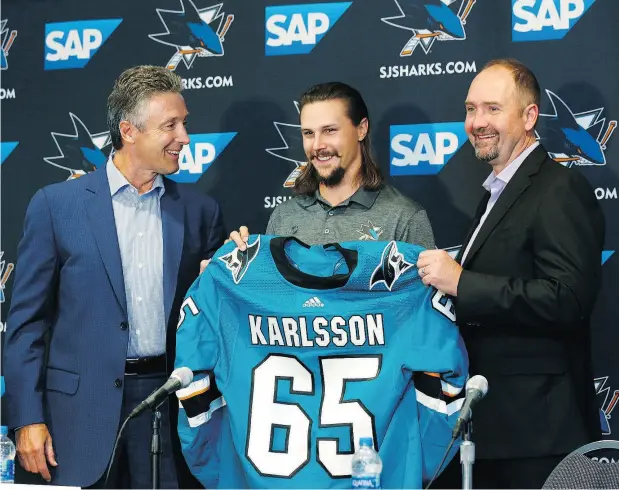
(101, 217)
(173, 226)
(516, 186)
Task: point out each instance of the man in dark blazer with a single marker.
(103, 266)
(523, 296)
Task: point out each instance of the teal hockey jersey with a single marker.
(298, 352)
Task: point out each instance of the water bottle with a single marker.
(7, 457)
(366, 465)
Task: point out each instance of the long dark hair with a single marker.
(371, 175)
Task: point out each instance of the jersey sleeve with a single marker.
(199, 418)
(440, 362)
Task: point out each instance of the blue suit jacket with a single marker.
(69, 285)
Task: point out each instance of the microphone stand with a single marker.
(155, 447)
(467, 456)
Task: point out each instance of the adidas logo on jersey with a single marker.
(313, 303)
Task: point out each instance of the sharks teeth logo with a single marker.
(237, 262)
(430, 21)
(80, 152)
(292, 151)
(574, 138)
(608, 404)
(370, 232)
(7, 37)
(391, 267)
(5, 273)
(193, 32)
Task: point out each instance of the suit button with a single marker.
(118, 383)
(124, 325)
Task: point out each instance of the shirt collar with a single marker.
(118, 181)
(362, 196)
(508, 172)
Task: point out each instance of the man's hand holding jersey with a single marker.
(438, 269)
(239, 237)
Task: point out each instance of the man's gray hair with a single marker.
(132, 88)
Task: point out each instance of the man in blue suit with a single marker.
(103, 266)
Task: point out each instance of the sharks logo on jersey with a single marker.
(6, 37)
(193, 32)
(292, 151)
(237, 262)
(430, 21)
(608, 403)
(574, 138)
(5, 273)
(392, 266)
(80, 152)
(370, 232)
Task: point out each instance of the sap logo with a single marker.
(73, 44)
(296, 29)
(423, 149)
(607, 254)
(542, 20)
(196, 157)
(6, 149)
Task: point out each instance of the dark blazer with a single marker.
(69, 293)
(525, 298)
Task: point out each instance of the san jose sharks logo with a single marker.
(292, 150)
(7, 37)
(430, 21)
(370, 232)
(608, 404)
(574, 138)
(392, 266)
(5, 273)
(80, 152)
(193, 32)
(237, 262)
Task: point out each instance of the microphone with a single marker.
(476, 389)
(180, 378)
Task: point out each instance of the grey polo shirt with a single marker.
(384, 214)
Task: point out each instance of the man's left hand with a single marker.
(438, 269)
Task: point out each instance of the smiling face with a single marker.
(498, 123)
(331, 141)
(162, 133)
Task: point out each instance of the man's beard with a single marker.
(333, 179)
(487, 154)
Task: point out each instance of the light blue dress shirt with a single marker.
(140, 238)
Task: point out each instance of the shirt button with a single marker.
(331, 213)
(140, 266)
(140, 234)
(139, 298)
(118, 382)
(327, 231)
(124, 325)
(137, 332)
